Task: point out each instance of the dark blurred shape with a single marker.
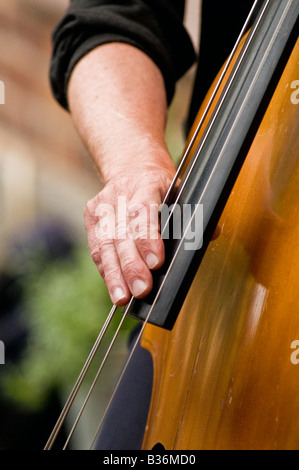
(46, 242)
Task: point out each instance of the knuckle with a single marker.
(144, 245)
(128, 265)
(89, 207)
(104, 244)
(96, 256)
(131, 268)
(111, 273)
(134, 269)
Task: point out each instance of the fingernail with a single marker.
(117, 294)
(138, 287)
(151, 260)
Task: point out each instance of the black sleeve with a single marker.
(154, 26)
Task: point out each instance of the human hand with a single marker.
(123, 231)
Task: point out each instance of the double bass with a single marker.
(222, 321)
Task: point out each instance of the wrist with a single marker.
(136, 160)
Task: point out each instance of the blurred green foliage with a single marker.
(65, 306)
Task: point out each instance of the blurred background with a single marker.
(53, 302)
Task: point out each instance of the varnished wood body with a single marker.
(223, 377)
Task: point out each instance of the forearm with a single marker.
(118, 102)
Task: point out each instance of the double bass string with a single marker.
(95, 348)
(183, 184)
(240, 59)
(210, 102)
(79, 381)
(97, 374)
(219, 104)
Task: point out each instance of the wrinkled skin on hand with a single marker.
(123, 231)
